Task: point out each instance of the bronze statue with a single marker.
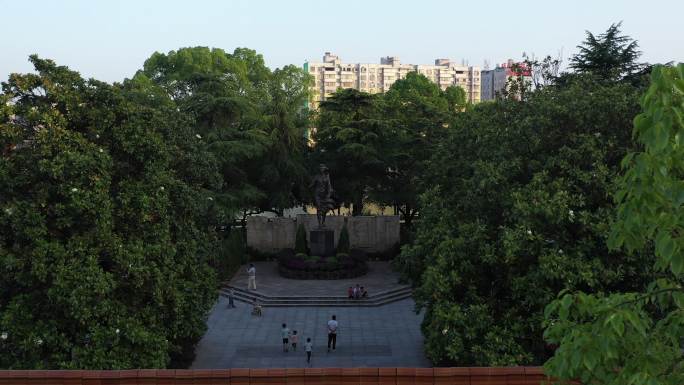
(323, 194)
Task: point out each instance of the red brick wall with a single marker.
(347, 376)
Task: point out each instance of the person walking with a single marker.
(332, 333)
(308, 347)
(251, 280)
(231, 298)
(285, 333)
(294, 338)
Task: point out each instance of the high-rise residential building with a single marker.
(495, 81)
(331, 74)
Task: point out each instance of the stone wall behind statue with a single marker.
(373, 234)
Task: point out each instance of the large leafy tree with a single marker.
(252, 119)
(517, 211)
(417, 112)
(348, 138)
(610, 55)
(635, 337)
(104, 224)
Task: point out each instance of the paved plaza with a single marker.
(383, 336)
(388, 336)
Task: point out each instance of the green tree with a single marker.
(635, 337)
(343, 243)
(610, 55)
(417, 112)
(517, 211)
(252, 119)
(105, 221)
(301, 246)
(348, 137)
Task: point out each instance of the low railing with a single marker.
(394, 376)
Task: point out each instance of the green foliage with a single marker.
(348, 137)
(233, 253)
(251, 119)
(376, 146)
(635, 337)
(301, 246)
(104, 241)
(518, 210)
(312, 258)
(610, 55)
(343, 242)
(418, 112)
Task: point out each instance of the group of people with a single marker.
(357, 292)
(291, 338)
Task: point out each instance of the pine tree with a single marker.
(610, 55)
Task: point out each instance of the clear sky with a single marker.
(110, 39)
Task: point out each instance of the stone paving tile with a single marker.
(380, 277)
(388, 335)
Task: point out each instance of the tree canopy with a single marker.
(516, 211)
(635, 336)
(253, 120)
(610, 55)
(376, 145)
(104, 232)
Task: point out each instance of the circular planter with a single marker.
(342, 266)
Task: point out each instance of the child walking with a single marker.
(308, 347)
(294, 338)
(285, 332)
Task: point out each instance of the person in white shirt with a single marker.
(332, 333)
(251, 281)
(308, 347)
(285, 332)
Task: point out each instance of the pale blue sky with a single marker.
(110, 40)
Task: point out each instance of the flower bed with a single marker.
(341, 266)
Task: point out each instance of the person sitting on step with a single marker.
(364, 292)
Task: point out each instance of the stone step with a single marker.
(294, 299)
(265, 301)
(329, 301)
(358, 303)
(263, 296)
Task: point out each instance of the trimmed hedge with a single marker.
(341, 266)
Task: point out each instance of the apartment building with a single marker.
(495, 81)
(331, 74)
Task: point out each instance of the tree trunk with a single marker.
(358, 206)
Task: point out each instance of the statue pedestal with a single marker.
(322, 242)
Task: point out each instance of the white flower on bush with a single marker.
(3, 335)
(97, 136)
(117, 331)
(8, 211)
(560, 251)
(210, 198)
(161, 188)
(39, 341)
(198, 136)
(529, 232)
(445, 331)
(571, 214)
(74, 189)
(101, 150)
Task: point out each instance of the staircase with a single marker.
(377, 299)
